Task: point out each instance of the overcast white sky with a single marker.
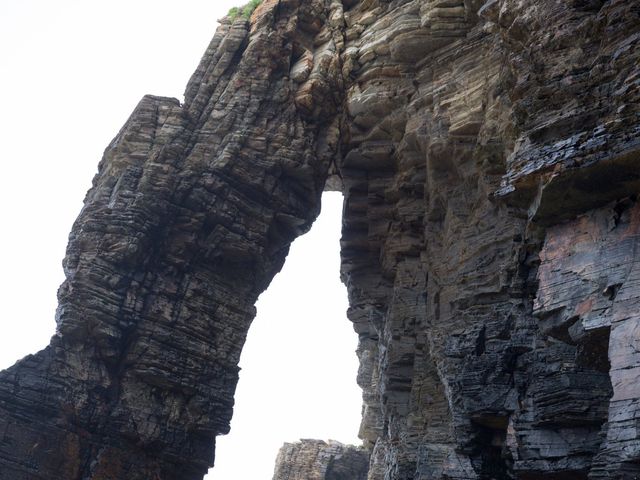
(71, 72)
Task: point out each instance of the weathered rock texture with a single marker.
(319, 460)
(489, 156)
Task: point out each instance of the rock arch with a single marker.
(462, 133)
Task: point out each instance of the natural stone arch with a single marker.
(436, 123)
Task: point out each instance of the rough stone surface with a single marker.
(319, 460)
(489, 155)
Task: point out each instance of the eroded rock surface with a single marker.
(489, 154)
(319, 460)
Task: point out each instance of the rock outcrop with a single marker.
(319, 460)
(489, 155)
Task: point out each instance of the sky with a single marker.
(71, 72)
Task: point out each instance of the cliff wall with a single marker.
(488, 152)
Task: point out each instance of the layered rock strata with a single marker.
(319, 460)
(189, 217)
(489, 155)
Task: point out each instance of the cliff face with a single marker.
(488, 153)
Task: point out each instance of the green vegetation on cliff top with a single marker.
(244, 11)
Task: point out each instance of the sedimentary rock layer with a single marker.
(319, 460)
(189, 217)
(489, 155)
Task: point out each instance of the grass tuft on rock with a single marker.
(244, 11)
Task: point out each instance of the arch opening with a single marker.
(298, 366)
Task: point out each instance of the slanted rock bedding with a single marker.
(489, 157)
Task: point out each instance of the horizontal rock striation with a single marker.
(319, 460)
(482, 128)
(489, 156)
(189, 217)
